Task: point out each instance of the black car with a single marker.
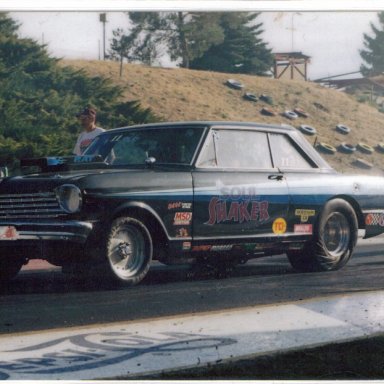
(214, 193)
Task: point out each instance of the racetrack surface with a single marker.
(263, 307)
(135, 349)
(40, 300)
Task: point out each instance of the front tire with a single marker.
(9, 267)
(129, 250)
(334, 238)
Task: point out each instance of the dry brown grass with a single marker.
(179, 94)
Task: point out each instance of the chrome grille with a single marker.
(29, 205)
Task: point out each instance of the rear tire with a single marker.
(334, 238)
(129, 250)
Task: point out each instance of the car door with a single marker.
(238, 195)
(307, 185)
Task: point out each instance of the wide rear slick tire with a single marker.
(333, 242)
(129, 250)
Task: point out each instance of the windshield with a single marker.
(166, 145)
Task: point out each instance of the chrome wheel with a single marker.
(129, 250)
(337, 235)
(334, 238)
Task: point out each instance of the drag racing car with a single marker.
(187, 192)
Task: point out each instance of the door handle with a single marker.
(275, 177)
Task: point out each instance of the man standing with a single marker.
(87, 118)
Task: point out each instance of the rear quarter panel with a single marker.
(310, 192)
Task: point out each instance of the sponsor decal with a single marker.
(8, 233)
(296, 246)
(221, 248)
(237, 211)
(237, 191)
(279, 226)
(84, 158)
(179, 205)
(305, 214)
(182, 218)
(249, 247)
(182, 232)
(201, 248)
(375, 219)
(186, 245)
(303, 228)
(57, 160)
(175, 205)
(263, 246)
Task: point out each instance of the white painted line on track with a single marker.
(141, 347)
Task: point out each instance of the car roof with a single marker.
(199, 124)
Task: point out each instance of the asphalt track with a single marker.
(52, 328)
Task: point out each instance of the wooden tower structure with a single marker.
(290, 65)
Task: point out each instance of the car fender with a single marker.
(356, 207)
(140, 209)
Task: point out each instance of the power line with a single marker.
(332, 77)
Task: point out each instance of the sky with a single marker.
(331, 38)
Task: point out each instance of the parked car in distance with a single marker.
(216, 193)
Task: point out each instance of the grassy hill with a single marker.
(176, 94)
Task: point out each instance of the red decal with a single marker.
(375, 219)
(212, 211)
(264, 215)
(233, 213)
(243, 212)
(238, 211)
(174, 205)
(10, 233)
(182, 232)
(182, 218)
(201, 248)
(303, 228)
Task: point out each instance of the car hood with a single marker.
(95, 180)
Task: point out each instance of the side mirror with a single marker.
(150, 161)
(3, 171)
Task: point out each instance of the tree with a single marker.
(133, 46)
(122, 46)
(8, 26)
(186, 35)
(148, 50)
(39, 100)
(148, 45)
(373, 54)
(242, 50)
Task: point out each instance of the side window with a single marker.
(127, 151)
(208, 153)
(286, 154)
(237, 149)
(169, 145)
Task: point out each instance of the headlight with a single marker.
(69, 198)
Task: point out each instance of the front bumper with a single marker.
(73, 231)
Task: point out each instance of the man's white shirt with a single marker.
(85, 139)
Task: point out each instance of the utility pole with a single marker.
(103, 19)
(293, 28)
